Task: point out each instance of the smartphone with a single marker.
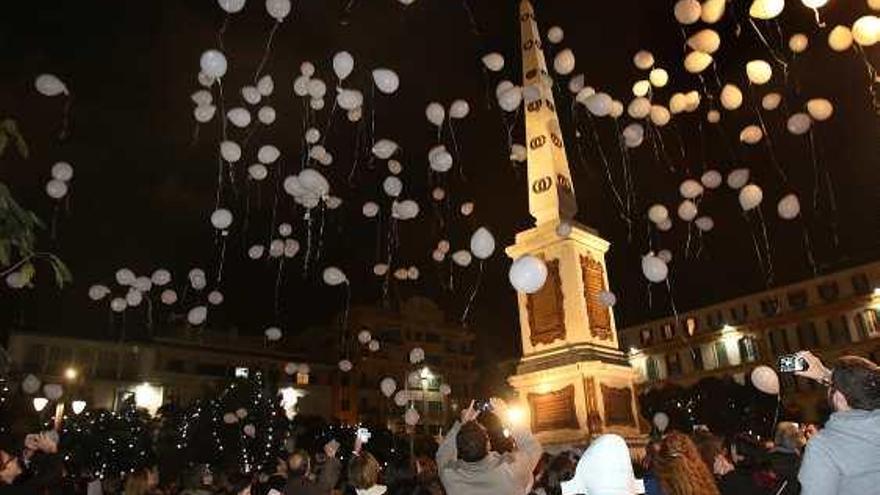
(790, 363)
(364, 435)
(482, 406)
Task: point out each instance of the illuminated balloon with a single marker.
(751, 134)
(493, 61)
(820, 109)
(482, 243)
(510, 99)
(711, 179)
(576, 84)
(276, 248)
(798, 43)
(256, 251)
(30, 384)
(665, 255)
(435, 113)
(555, 35)
(705, 224)
(643, 60)
(866, 30)
(213, 63)
(98, 292)
(373, 346)
(49, 85)
(274, 334)
(459, 109)
(564, 62)
(258, 171)
(239, 117)
(231, 6)
(687, 11)
(527, 274)
(285, 229)
(706, 41)
(333, 276)
(411, 417)
(840, 39)
(789, 207)
(278, 9)
(266, 85)
(56, 189)
(384, 149)
(766, 9)
(658, 213)
(713, 116)
(221, 219)
(731, 97)
(291, 248)
(518, 153)
(639, 108)
(687, 210)
(215, 297)
(386, 80)
(696, 62)
(633, 135)
(118, 305)
(392, 186)
(712, 11)
(765, 379)
(301, 86)
(798, 124)
(317, 88)
(750, 197)
(690, 189)
(814, 4)
(142, 284)
(677, 103)
(665, 225)
(607, 298)
(654, 269)
(660, 115)
(395, 167)
(343, 64)
(230, 151)
(759, 71)
(658, 77)
(771, 101)
(599, 104)
(349, 99)
(204, 113)
(462, 258)
(661, 421)
(370, 209)
(641, 87)
(197, 315)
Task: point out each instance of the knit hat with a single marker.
(604, 469)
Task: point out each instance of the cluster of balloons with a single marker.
(308, 188)
(58, 185)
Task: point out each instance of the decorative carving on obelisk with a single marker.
(551, 191)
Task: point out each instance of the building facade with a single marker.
(832, 315)
(168, 369)
(420, 323)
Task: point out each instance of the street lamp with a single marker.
(71, 373)
(40, 403)
(78, 406)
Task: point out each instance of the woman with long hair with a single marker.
(141, 482)
(680, 469)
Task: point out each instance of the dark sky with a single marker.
(143, 191)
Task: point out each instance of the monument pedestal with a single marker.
(576, 382)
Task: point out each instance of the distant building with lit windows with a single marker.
(831, 315)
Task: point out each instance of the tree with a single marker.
(19, 226)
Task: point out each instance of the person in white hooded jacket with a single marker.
(844, 458)
(604, 469)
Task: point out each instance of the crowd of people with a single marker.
(841, 458)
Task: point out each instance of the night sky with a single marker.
(144, 189)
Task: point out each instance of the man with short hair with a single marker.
(842, 459)
(467, 467)
(299, 479)
(46, 465)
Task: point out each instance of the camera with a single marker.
(790, 363)
(482, 406)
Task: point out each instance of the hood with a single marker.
(853, 438)
(604, 469)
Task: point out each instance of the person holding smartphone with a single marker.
(842, 459)
(41, 451)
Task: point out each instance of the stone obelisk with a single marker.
(575, 380)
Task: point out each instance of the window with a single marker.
(34, 357)
(651, 369)
(691, 326)
(208, 369)
(779, 342)
(867, 323)
(714, 320)
(668, 331)
(647, 336)
(739, 314)
(435, 407)
(175, 365)
(809, 338)
(432, 337)
(721, 353)
(345, 405)
(697, 358)
(673, 364)
(828, 291)
(838, 330)
(797, 299)
(770, 306)
(748, 349)
(390, 336)
(861, 285)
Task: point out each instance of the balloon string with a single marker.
(832, 203)
(276, 298)
(687, 244)
(808, 247)
(766, 44)
(65, 117)
(329, 124)
(220, 160)
(357, 152)
(758, 253)
(457, 152)
(222, 31)
(266, 51)
(372, 137)
(873, 80)
(195, 135)
(321, 233)
(819, 22)
(671, 299)
(222, 259)
(473, 296)
(768, 140)
(275, 182)
(682, 147)
(607, 168)
(816, 178)
(768, 254)
(308, 255)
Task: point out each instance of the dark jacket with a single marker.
(325, 482)
(786, 464)
(45, 479)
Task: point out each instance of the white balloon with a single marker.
(268, 154)
(711, 179)
(798, 43)
(215, 297)
(751, 134)
(278, 9)
(713, 116)
(661, 421)
(440, 159)
(459, 109)
(462, 258)
(118, 305)
(731, 97)
(230, 151)
(291, 248)
(62, 171)
(412, 273)
(466, 208)
(665, 255)
(256, 251)
(202, 97)
(482, 243)
(687, 210)
(687, 11)
(30, 384)
(384, 149)
(316, 104)
(124, 277)
(411, 417)
(231, 6)
(789, 207)
(866, 30)
(820, 109)
(206, 80)
(607, 298)
(386, 80)
(798, 124)
(766, 9)
(643, 60)
(204, 113)
(307, 69)
(690, 189)
(143, 284)
(435, 113)
(639, 107)
(665, 225)
(314, 181)
(705, 224)
(56, 189)
(276, 248)
(658, 77)
(564, 62)
(345, 366)
(364, 337)
(395, 167)
(443, 246)
(510, 99)
(392, 186)
(239, 117)
(759, 71)
(213, 63)
(221, 219)
(333, 276)
(765, 379)
(738, 178)
(312, 135)
(518, 153)
(641, 87)
(660, 115)
(197, 315)
(266, 115)
(266, 85)
(438, 256)
(401, 398)
(380, 269)
(555, 35)
(343, 64)
(416, 355)
(98, 292)
(528, 274)
(258, 171)
(771, 101)
(706, 41)
(584, 94)
(654, 268)
(349, 99)
(658, 213)
(50, 85)
(633, 135)
(696, 62)
(273, 334)
(445, 389)
(493, 61)
(301, 85)
(576, 84)
(317, 88)
(840, 39)
(750, 197)
(251, 95)
(53, 391)
(370, 209)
